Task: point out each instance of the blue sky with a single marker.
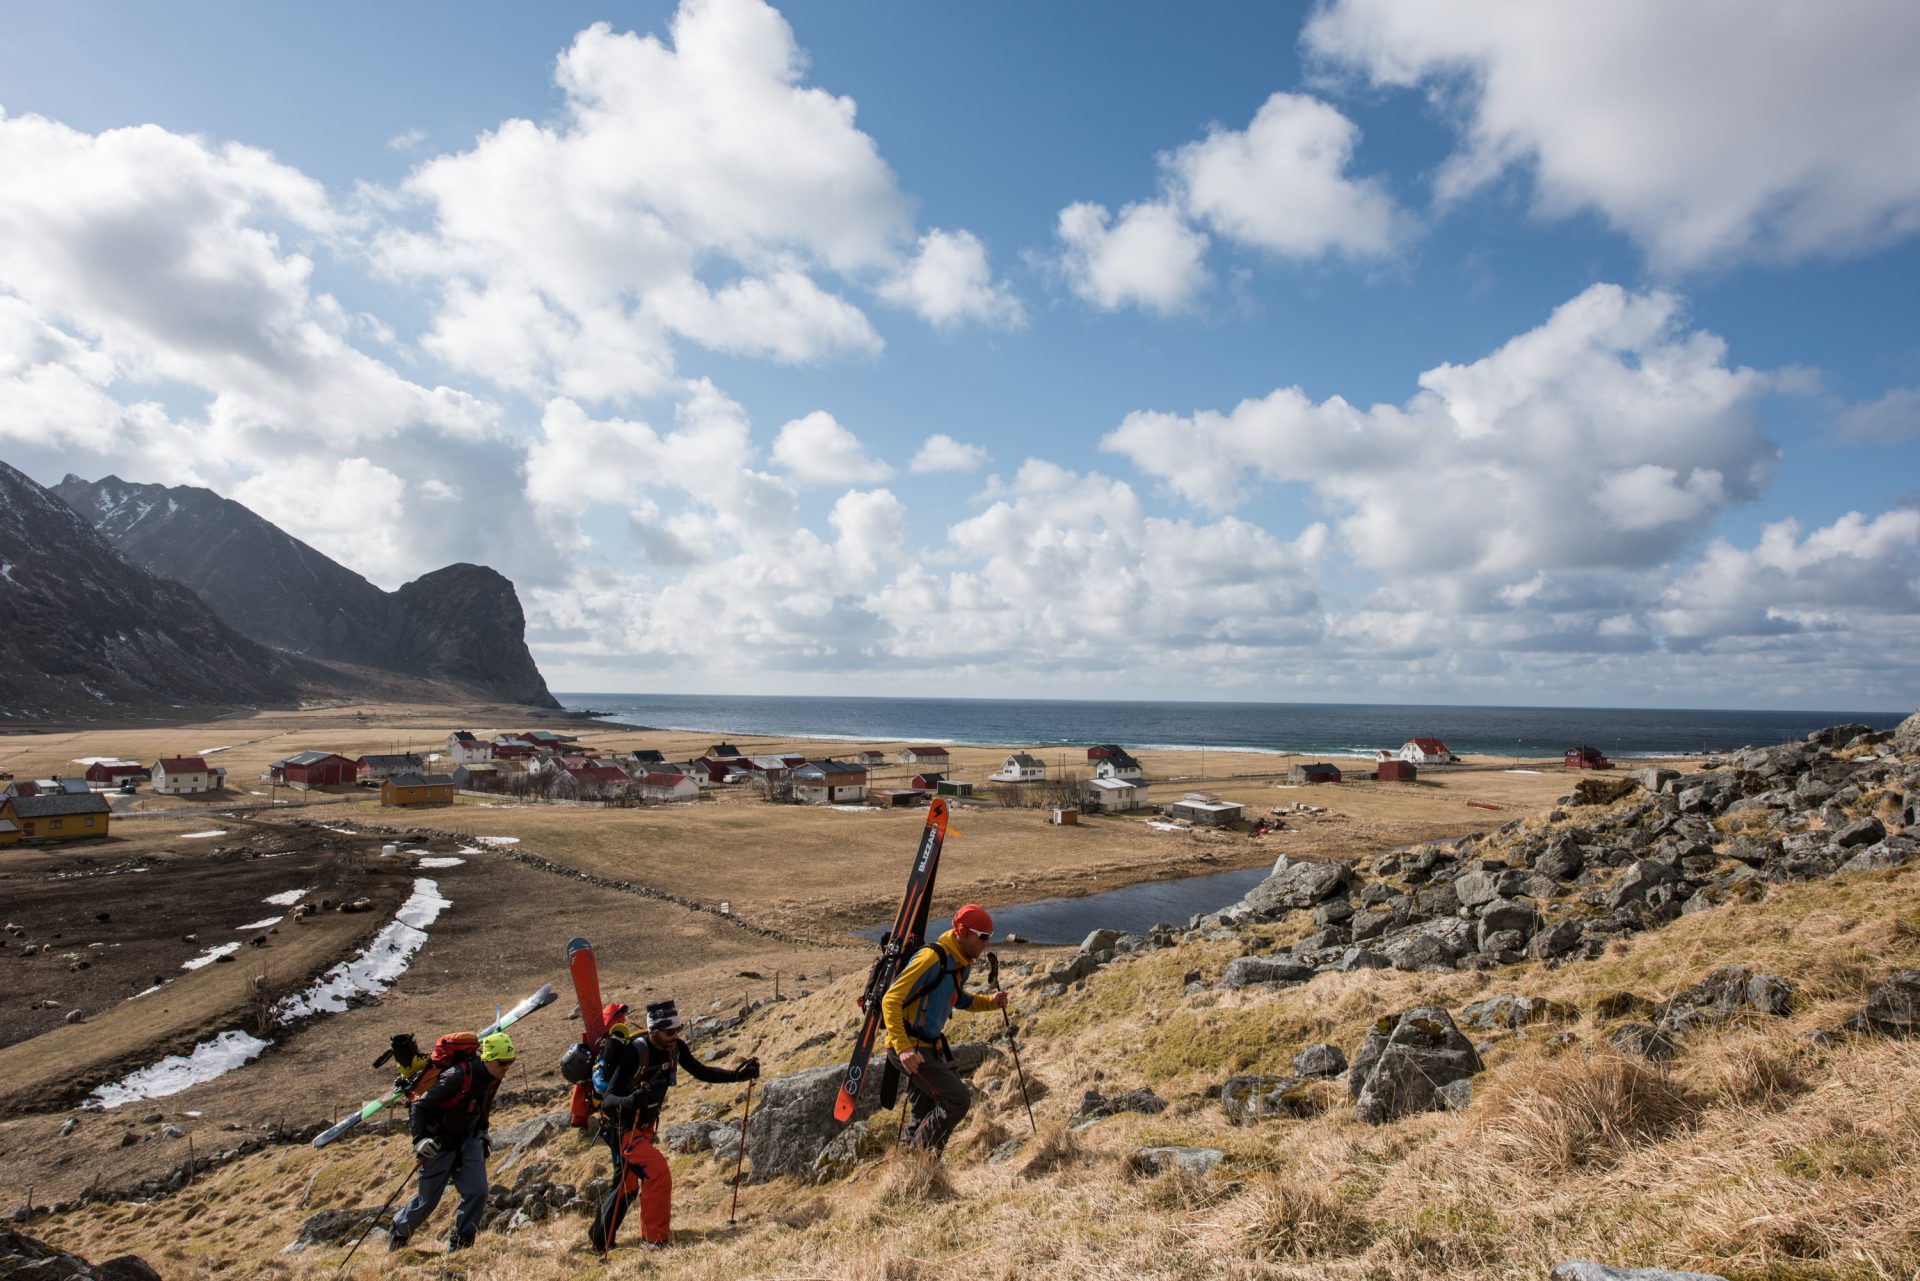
(1395, 349)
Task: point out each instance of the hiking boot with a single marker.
(396, 1241)
(458, 1243)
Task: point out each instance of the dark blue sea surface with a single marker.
(1325, 729)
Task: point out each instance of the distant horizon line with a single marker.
(586, 695)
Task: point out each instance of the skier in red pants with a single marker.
(632, 1079)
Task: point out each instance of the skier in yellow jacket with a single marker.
(915, 1010)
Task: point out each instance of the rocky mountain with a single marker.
(461, 625)
(84, 633)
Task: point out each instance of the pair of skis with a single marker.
(897, 946)
(424, 1077)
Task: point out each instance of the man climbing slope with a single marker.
(915, 1010)
(449, 1126)
(632, 1077)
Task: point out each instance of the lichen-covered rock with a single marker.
(793, 1122)
(1582, 1270)
(1250, 971)
(1320, 1059)
(1646, 1041)
(1429, 945)
(1557, 939)
(1293, 883)
(1508, 1011)
(1250, 1098)
(1406, 1061)
(1504, 915)
(1893, 1006)
(1195, 1162)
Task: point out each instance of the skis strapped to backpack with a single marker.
(577, 1064)
(446, 1050)
(897, 945)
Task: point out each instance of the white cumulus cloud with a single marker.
(948, 281)
(941, 452)
(817, 450)
(1148, 258)
(1708, 132)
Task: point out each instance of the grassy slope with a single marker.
(1757, 1154)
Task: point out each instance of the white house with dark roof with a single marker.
(1020, 768)
(829, 783)
(925, 757)
(1111, 796)
(186, 776)
(467, 748)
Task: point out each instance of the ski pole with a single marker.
(378, 1215)
(740, 1161)
(619, 1197)
(993, 977)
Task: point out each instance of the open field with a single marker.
(809, 873)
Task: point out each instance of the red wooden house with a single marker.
(1587, 758)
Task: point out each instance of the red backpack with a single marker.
(453, 1047)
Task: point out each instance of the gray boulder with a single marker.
(1893, 1007)
(1293, 883)
(1099, 941)
(1406, 1062)
(516, 1140)
(1893, 852)
(1250, 1098)
(1430, 945)
(1360, 958)
(1320, 1059)
(793, 1122)
(1637, 881)
(1369, 925)
(1644, 1041)
(1864, 832)
(1194, 1162)
(1253, 971)
(1582, 1270)
(1505, 914)
(1557, 939)
(1723, 994)
(1654, 778)
(1094, 1105)
(1562, 861)
(687, 1136)
(327, 1228)
(1507, 1011)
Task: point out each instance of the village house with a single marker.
(477, 778)
(111, 774)
(1117, 764)
(928, 757)
(659, 786)
(466, 749)
(597, 775)
(1205, 809)
(1020, 768)
(186, 776)
(723, 751)
(1425, 751)
(60, 817)
(775, 769)
(314, 769)
(1111, 796)
(927, 782)
(647, 757)
(1397, 772)
(830, 783)
(871, 756)
(374, 769)
(416, 789)
(1319, 772)
(9, 830)
(511, 747)
(1587, 758)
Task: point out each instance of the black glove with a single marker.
(748, 1071)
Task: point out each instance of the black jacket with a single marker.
(457, 1104)
(633, 1078)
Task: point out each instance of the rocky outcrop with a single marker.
(1893, 1007)
(24, 1257)
(793, 1122)
(86, 635)
(461, 625)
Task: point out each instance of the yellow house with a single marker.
(61, 816)
(9, 832)
(416, 789)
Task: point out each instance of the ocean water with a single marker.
(1324, 729)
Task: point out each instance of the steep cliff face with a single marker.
(467, 620)
(85, 634)
(462, 624)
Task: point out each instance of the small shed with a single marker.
(1318, 772)
(899, 798)
(929, 780)
(1204, 809)
(1066, 816)
(114, 773)
(1587, 758)
(1397, 772)
(954, 787)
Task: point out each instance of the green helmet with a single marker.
(497, 1048)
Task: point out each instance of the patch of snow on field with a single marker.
(287, 899)
(855, 809)
(98, 760)
(378, 965)
(442, 862)
(1165, 827)
(194, 836)
(1523, 771)
(209, 751)
(209, 956)
(146, 991)
(177, 1072)
(498, 840)
(261, 925)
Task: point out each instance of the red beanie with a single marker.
(973, 917)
